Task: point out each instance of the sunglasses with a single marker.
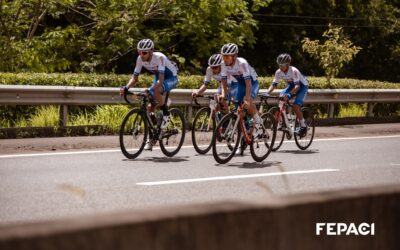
(283, 64)
(143, 53)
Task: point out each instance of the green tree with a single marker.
(333, 53)
(100, 36)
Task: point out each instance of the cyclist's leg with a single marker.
(255, 86)
(168, 84)
(152, 105)
(298, 103)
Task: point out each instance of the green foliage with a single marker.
(110, 116)
(333, 53)
(185, 82)
(352, 110)
(97, 36)
(45, 116)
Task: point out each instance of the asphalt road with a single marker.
(49, 185)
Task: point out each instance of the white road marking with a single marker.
(186, 146)
(395, 164)
(232, 177)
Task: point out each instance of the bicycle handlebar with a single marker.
(140, 94)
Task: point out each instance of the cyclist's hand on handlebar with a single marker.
(123, 90)
(194, 95)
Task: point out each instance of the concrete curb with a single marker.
(287, 222)
(92, 130)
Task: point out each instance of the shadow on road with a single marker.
(161, 159)
(251, 165)
(300, 152)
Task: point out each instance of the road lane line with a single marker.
(232, 177)
(186, 146)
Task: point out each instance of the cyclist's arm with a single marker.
(132, 82)
(224, 84)
(224, 81)
(295, 89)
(274, 82)
(160, 81)
(202, 89)
(296, 81)
(247, 79)
(248, 89)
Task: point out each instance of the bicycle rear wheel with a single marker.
(173, 136)
(303, 142)
(202, 130)
(225, 139)
(280, 134)
(261, 146)
(133, 133)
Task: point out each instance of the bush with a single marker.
(185, 82)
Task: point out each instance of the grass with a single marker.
(352, 110)
(108, 115)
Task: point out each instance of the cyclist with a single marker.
(246, 77)
(214, 72)
(297, 86)
(165, 79)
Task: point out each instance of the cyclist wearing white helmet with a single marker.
(165, 77)
(246, 76)
(296, 86)
(214, 72)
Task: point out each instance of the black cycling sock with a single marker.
(164, 109)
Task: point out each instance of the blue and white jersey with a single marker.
(292, 76)
(159, 63)
(210, 75)
(240, 70)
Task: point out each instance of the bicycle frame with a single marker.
(282, 111)
(214, 105)
(247, 136)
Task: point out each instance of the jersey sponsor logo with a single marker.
(345, 229)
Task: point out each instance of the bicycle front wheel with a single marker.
(173, 136)
(226, 139)
(303, 142)
(202, 130)
(261, 146)
(133, 133)
(280, 134)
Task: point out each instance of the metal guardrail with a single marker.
(66, 95)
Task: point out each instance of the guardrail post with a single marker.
(370, 109)
(63, 115)
(331, 110)
(189, 114)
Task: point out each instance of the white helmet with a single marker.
(215, 60)
(229, 49)
(145, 44)
(283, 58)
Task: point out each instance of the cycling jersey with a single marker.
(159, 63)
(292, 76)
(240, 70)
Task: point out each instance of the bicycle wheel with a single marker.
(280, 134)
(261, 146)
(225, 139)
(303, 142)
(133, 133)
(173, 136)
(202, 130)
